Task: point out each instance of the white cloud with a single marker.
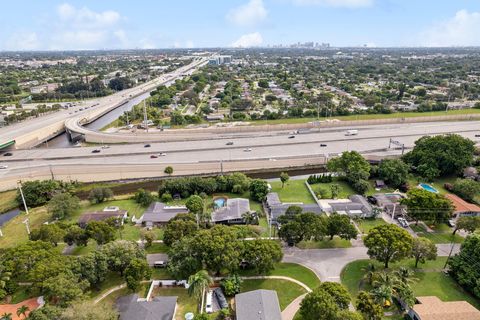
(249, 40)
(86, 18)
(248, 14)
(183, 44)
(461, 30)
(23, 41)
(336, 3)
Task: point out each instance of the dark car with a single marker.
(147, 146)
(230, 143)
(7, 154)
(96, 151)
(372, 199)
(222, 301)
(477, 135)
(291, 137)
(323, 145)
(153, 156)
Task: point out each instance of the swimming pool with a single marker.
(428, 187)
(219, 202)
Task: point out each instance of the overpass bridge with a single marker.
(35, 131)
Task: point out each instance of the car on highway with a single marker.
(402, 222)
(3, 167)
(96, 151)
(147, 146)
(477, 136)
(247, 149)
(229, 143)
(105, 147)
(323, 145)
(162, 154)
(7, 154)
(153, 156)
(291, 137)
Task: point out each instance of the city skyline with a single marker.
(78, 25)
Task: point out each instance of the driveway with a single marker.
(151, 258)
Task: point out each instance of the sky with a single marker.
(147, 24)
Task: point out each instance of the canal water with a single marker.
(9, 215)
(62, 141)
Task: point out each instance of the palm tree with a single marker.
(248, 217)
(405, 275)
(23, 311)
(369, 273)
(198, 283)
(4, 277)
(382, 295)
(6, 316)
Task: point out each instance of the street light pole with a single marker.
(23, 197)
(27, 225)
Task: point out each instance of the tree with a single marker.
(147, 236)
(63, 289)
(263, 83)
(291, 232)
(47, 312)
(177, 229)
(338, 292)
(231, 285)
(76, 235)
(37, 192)
(48, 233)
(284, 178)
(198, 283)
(469, 224)
(440, 155)
(326, 302)
(423, 249)
(143, 197)
(466, 189)
(4, 278)
(22, 311)
(168, 170)
(302, 226)
(339, 225)
(93, 267)
(99, 195)
(258, 189)
(424, 205)
(100, 231)
(352, 165)
(6, 316)
(464, 266)
(85, 310)
(367, 306)
(136, 271)
(250, 218)
(183, 258)
(335, 190)
(388, 243)
(195, 205)
(119, 254)
(394, 172)
(262, 255)
(63, 205)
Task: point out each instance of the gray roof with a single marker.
(358, 202)
(160, 212)
(159, 308)
(233, 209)
(101, 215)
(279, 210)
(258, 305)
(273, 199)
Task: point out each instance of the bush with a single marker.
(319, 178)
(143, 197)
(231, 285)
(466, 189)
(99, 195)
(166, 197)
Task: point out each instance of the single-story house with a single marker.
(257, 305)
(159, 213)
(432, 308)
(214, 117)
(276, 208)
(232, 212)
(120, 215)
(357, 206)
(390, 202)
(131, 308)
(471, 173)
(462, 207)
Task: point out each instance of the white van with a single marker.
(209, 302)
(351, 132)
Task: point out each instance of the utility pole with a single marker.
(26, 221)
(23, 197)
(1, 233)
(145, 115)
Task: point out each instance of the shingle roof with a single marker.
(101, 215)
(159, 212)
(279, 210)
(233, 209)
(258, 305)
(432, 308)
(159, 308)
(462, 205)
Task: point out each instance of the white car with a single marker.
(163, 154)
(105, 147)
(209, 302)
(247, 149)
(403, 222)
(3, 167)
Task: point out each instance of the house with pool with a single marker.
(230, 211)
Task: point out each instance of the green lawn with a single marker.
(365, 225)
(113, 279)
(292, 270)
(345, 189)
(157, 247)
(185, 303)
(430, 279)
(111, 298)
(133, 208)
(287, 291)
(293, 191)
(83, 250)
(440, 235)
(23, 293)
(264, 229)
(326, 243)
(14, 231)
(9, 201)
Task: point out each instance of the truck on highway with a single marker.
(351, 132)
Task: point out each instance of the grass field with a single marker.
(286, 290)
(430, 279)
(15, 232)
(291, 270)
(133, 208)
(9, 201)
(345, 189)
(326, 243)
(440, 235)
(365, 225)
(293, 191)
(185, 303)
(157, 248)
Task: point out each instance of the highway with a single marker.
(249, 151)
(34, 131)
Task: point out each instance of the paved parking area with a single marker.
(151, 258)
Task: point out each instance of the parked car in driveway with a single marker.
(403, 222)
(209, 302)
(222, 301)
(160, 264)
